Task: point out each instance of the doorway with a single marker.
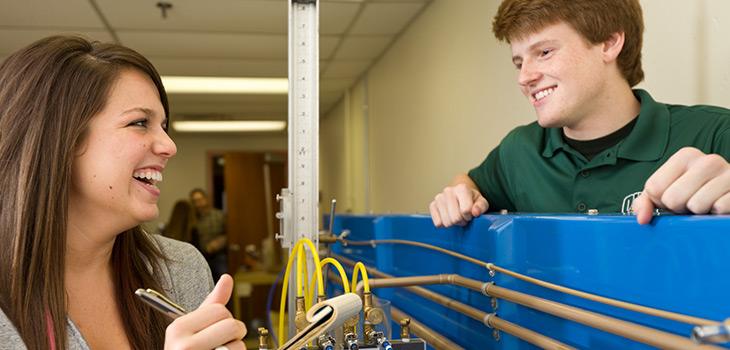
(244, 185)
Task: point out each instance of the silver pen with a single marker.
(160, 302)
(163, 304)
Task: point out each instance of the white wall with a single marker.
(687, 51)
(188, 169)
(343, 163)
(446, 93)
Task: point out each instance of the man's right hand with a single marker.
(457, 204)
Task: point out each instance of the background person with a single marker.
(211, 228)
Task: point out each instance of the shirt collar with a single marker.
(646, 142)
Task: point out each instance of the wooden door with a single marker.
(245, 204)
(251, 181)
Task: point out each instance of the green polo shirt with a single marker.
(534, 170)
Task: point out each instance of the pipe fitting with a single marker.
(263, 338)
(300, 318)
(487, 318)
(716, 334)
(372, 314)
(405, 329)
(351, 341)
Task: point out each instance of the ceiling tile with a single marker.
(327, 45)
(206, 45)
(362, 47)
(334, 85)
(335, 17)
(271, 99)
(221, 38)
(45, 13)
(345, 69)
(385, 18)
(13, 40)
(240, 106)
(237, 16)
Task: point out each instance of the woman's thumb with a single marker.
(222, 291)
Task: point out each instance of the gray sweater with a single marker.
(186, 279)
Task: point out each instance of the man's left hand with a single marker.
(689, 182)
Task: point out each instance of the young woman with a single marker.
(83, 143)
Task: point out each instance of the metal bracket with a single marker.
(495, 334)
(715, 334)
(486, 319)
(484, 288)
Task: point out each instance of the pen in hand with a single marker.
(160, 303)
(168, 307)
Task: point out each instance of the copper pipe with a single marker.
(401, 282)
(417, 244)
(489, 320)
(481, 316)
(434, 339)
(533, 337)
(613, 302)
(698, 321)
(371, 270)
(410, 282)
(626, 329)
(646, 335)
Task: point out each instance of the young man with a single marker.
(597, 144)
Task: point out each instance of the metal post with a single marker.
(299, 211)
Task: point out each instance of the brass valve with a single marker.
(368, 331)
(372, 314)
(300, 318)
(263, 338)
(350, 325)
(405, 328)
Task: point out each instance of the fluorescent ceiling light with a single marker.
(218, 85)
(228, 125)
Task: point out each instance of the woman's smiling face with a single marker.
(125, 150)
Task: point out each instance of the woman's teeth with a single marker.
(148, 176)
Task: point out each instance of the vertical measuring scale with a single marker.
(298, 202)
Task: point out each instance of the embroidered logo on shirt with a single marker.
(627, 205)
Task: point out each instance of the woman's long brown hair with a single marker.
(49, 91)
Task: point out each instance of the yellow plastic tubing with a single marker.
(300, 262)
(298, 249)
(302, 278)
(360, 267)
(343, 275)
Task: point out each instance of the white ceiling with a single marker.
(246, 38)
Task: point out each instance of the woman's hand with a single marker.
(211, 326)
